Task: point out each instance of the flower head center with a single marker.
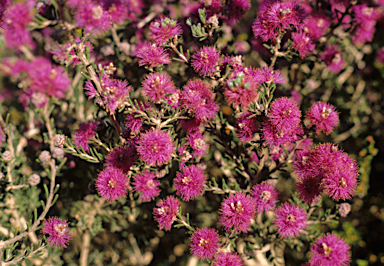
(186, 179)
(120, 157)
(265, 195)
(111, 183)
(291, 218)
(202, 242)
(150, 184)
(287, 112)
(320, 23)
(336, 59)
(327, 250)
(342, 182)
(199, 143)
(204, 56)
(53, 74)
(325, 112)
(238, 208)
(97, 13)
(60, 228)
(110, 90)
(155, 148)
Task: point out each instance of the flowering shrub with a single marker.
(130, 119)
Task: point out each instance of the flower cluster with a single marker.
(58, 232)
(325, 168)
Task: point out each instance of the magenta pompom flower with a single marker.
(197, 143)
(206, 60)
(228, 259)
(112, 184)
(58, 232)
(333, 59)
(16, 19)
(161, 30)
(265, 196)
(189, 183)
(49, 79)
(323, 116)
(147, 185)
(204, 243)
(309, 189)
(198, 99)
(302, 43)
(114, 93)
(330, 250)
(156, 147)
(246, 127)
(122, 157)
(284, 114)
(290, 219)
(340, 184)
(237, 212)
(157, 85)
(166, 212)
(243, 87)
(85, 132)
(151, 55)
(92, 17)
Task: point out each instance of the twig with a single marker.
(14, 261)
(85, 249)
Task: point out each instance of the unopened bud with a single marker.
(58, 153)
(7, 156)
(59, 140)
(45, 156)
(34, 179)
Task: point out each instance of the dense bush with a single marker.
(188, 132)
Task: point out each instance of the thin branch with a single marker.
(14, 261)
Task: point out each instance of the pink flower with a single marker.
(323, 116)
(302, 43)
(243, 87)
(122, 157)
(237, 9)
(330, 250)
(289, 220)
(112, 184)
(117, 9)
(309, 189)
(268, 75)
(134, 124)
(237, 211)
(49, 79)
(228, 259)
(58, 232)
(204, 243)
(161, 30)
(198, 99)
(274, 136)
(156, 147)
(317, 25)
(85, 132)
(275, 17)
(152, 56)
(147, 185)
(344, 209)
(114, 93)
(166, 212)
(333, 59)
(92, 17)
(189, 183)
(340, 184)
(3, 6)
(16, 19)
(265, 196)
(197, 143)
(284, 114)
(157, 85)
(206, 60)
(246, 127)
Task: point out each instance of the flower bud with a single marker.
(45, 156)
(34, 179)
(59, 140)
(7, 156)
(58, 153)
